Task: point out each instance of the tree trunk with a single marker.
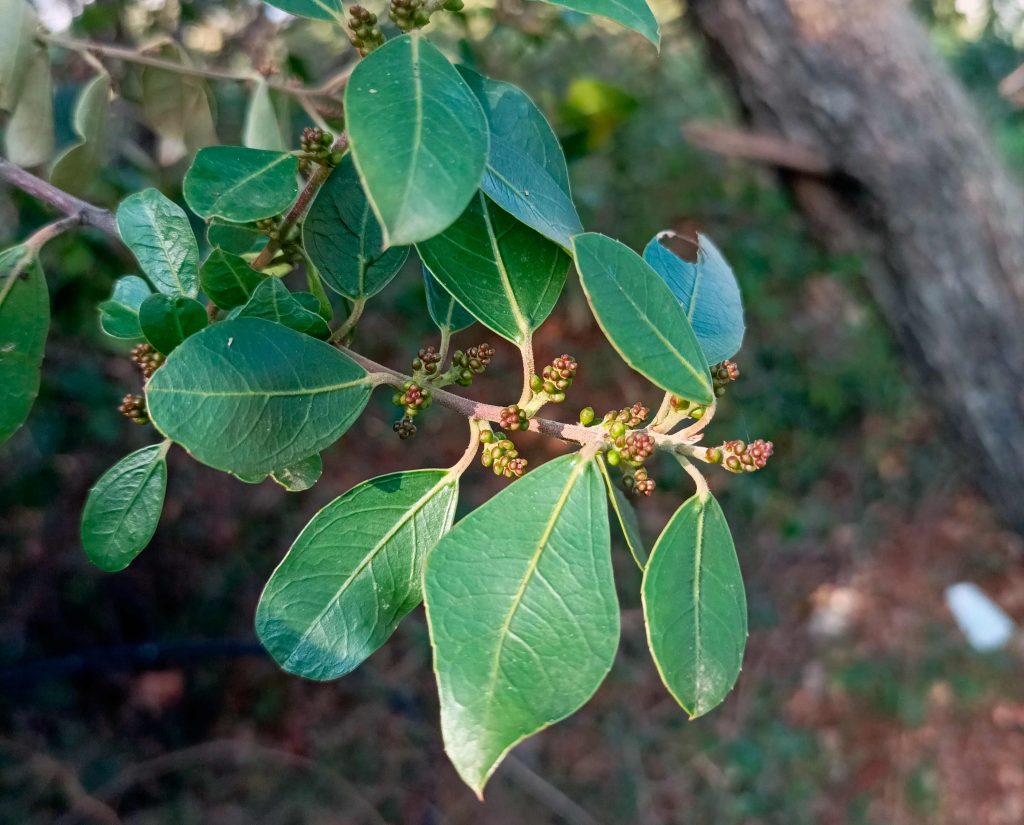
(913, 182)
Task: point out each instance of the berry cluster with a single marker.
(426, 361)
(133, 407)
(471, 362)
(364, 32)
(405, 427)
(722, 375)
(639, 482)
(740, 457)
(316, 148)
(147, 358)
(555, 378)
(414, 398)
(501, 455)
(415, 14)
(514, 418)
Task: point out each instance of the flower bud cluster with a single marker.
(501, 455)
(413, 397)
(364, 31)
(415, 14)
(690, 409)
(723, 374)
(133, 407)
(315, 145)
(555, 378)
(740, 457)
(471, 362)
(628, 418)
(426, 361)
(405, 427)
(514, 418)
(147, 358)
(639, 482)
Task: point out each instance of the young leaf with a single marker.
(418, 136)
(273, 301)
(157, 231)
(29, 135)
(633, 14)
(344, 240)
(707, 291)
(261, 129)
(24, 322)
(526, 173)
(241, 185)
(119, 314)
(123, 508)
(167, 320)
(641, 317)
(522, 612)
(499, 269)
(625, 515)
(317, 9)
(236, 238)
(250, 396)
(301, 475)
(78, 166)
(16, 43)
(444, 310)
(227, 279)
(694, 606)
(354, 573)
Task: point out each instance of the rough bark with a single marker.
(914, 183)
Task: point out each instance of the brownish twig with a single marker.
(760, 148)
(86, 213)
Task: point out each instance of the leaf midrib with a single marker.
(231, 190)
(261, 393)
(522, 324)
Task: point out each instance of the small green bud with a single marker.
(587, 416)
(536, 384)
(613, 458)
(618, 429)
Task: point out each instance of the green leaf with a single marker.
(158, 233)
(445, 311)
(29, 135)
(694, 606)
(167, 320)
(641, 317)
(526, 173)
(344, 240)
(17, 37)
(227, 279)
(119, 314)
(633, 14)
(241, 185)
(261, 129)
(418, 136)
(301, 475)
(272, 301)
(317, 9)
(499, 269)
(354, 572)
(236, 238)
(123, 508)
(625, 515)
(522, 612)
(707, 291)
(176, 106)
(250, 396)
(77, 167)
(24, 322)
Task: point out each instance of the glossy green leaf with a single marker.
(167, 320)
(707, 291)
(625, 515)
(344, 240)
(123, 508)
(522, 612)
(499, 269)
(444, 310)
(241, 185)
(260, 130)
(641, 317)
(29, 135)
(77, 167)
(16, 47)
(250, 396)
(236, 238)
(526, 173)
(354, 572)
(309, 301)
(227, 279)
(695, 607)
(272, 300)
(119, 314)
(633, 14)
(418, 136)
(301, 475)
(158, 233)
(317, 9)
(24, 322)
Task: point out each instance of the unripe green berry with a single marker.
(536, 384)
(613, 458)
(618, 429)
(587, 416)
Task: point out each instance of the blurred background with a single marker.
(883, 318)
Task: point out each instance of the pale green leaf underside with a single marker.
(261, 129)
(633, 14)
(24, 323)
(77, 167)
(301, 475)
(249, 396)
(418, 136)
(625, 515)
(241, 185)
(694, 606)
(317, 9)
(444, 310)
(123, 508)
(641, 317)
(158, 233)
(522, 611)
(504, 273)
(354, 573)
(16, 45)
(29, 135)
(119, 314)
